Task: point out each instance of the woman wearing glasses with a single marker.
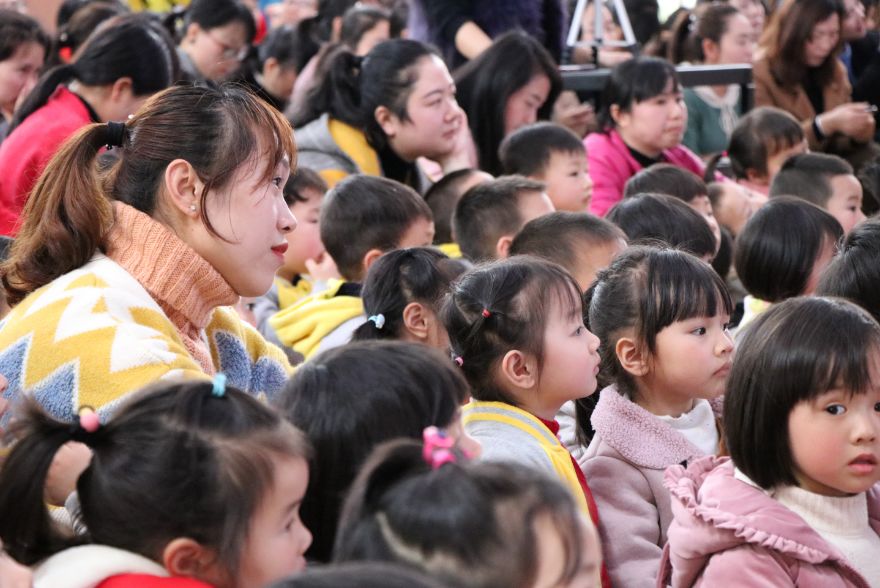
(216, 39)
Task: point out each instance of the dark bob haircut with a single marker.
(795, 351)
(659, 217)
(351, 398)
(854, 273)
(776, 251)
(634, 81)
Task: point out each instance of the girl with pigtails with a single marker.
(516, 329)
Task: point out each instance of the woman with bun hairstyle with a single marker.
(378, 114)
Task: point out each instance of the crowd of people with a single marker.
(305, 293)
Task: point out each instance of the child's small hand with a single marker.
(69, 462)
(322, 268)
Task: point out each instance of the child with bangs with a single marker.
(662, 315)
(798, 501)
(516, 330)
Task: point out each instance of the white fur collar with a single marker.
(87, 566)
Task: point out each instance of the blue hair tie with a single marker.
(378, 320)
(219, 385)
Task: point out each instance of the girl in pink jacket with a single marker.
(643, 119)
(798, 504)
(662, 316)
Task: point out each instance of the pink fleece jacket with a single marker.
(611, 165)
(727, 532)
(624, 464)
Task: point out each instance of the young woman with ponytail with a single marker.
(122, 280)
(121, 65)
(378, 114)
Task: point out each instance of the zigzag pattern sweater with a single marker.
(149, 310)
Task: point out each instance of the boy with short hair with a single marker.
(489, 215)
(580, 242)
(361, 218)
(552, 154)
(828, 181)
(443, 197)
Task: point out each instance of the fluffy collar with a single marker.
(639, 436)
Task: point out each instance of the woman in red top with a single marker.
(119, 67)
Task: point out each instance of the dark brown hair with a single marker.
(788, 31)
(216, 129)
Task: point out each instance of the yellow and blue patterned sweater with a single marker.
(94, 335)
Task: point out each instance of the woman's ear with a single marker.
(519, 369)
(617, 115)
(417, 320)
(711, 50)
(387, 120)
(183, 187)
(188, 558)
(122, 89)
(631, 356)
(271, 67)
(191, 33)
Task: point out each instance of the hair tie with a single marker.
(218, 389)
(87, 422)
(486, 313)
(438, 449)
(115, 134)
(378, 320)
(459, 360)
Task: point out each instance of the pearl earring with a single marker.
(192, 207)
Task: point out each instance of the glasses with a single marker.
(229, 52)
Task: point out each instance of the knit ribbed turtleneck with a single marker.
(842, 521)
(183, 283)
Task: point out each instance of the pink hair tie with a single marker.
(459, 360)
(486, 313)
(438, 448)
(89, 420)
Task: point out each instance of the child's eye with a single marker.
(835, 409)
(699, 331)
(877, 407)
(579, 331)
(277, 181)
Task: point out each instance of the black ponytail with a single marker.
(132, 46)
(398, 278)
(27, 529)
